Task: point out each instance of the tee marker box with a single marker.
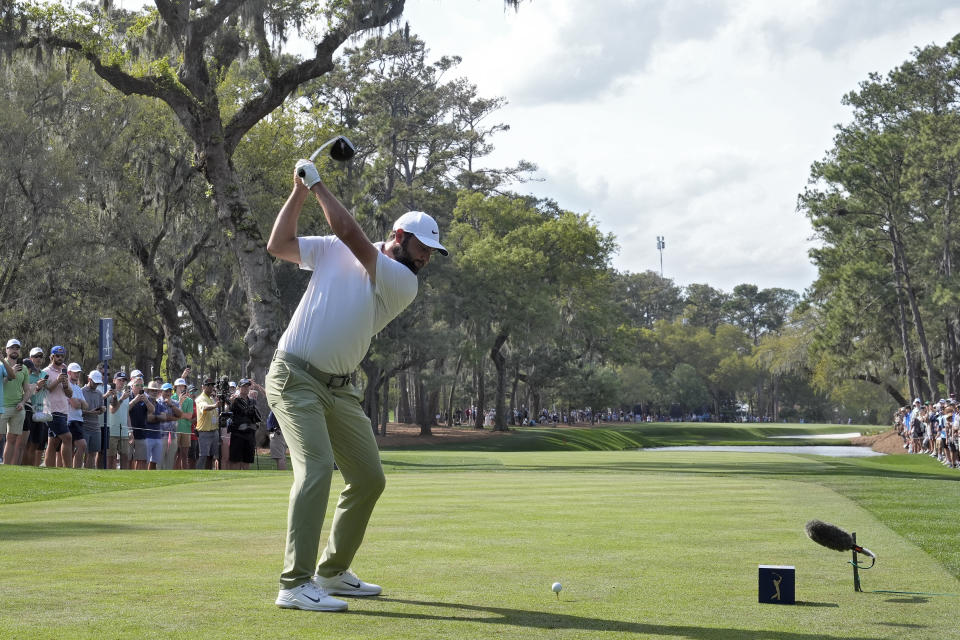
(776, 584)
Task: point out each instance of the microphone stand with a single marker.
(856, 566)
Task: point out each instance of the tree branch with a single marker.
(153, 86)
(200, 321)
(286, 83)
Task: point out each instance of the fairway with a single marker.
(466, 545)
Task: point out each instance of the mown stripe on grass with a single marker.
(34, 484)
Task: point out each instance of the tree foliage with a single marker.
(883, 203)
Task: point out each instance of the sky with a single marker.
(695, 120)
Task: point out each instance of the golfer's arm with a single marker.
(283, 241)
(346, 227)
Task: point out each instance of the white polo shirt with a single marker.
(341, 310)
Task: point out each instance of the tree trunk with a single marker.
(915, 309)
(951, 365)
(481, 397)
(371, 391)
(385, 405)
(256, 269)
(905, 338)
(422, 407)
(433, 406)
(513, 395)
(453, 389)
(947, 358)
(403, 402)
(500, 363)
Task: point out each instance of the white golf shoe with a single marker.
(346, 583)
(309, 597)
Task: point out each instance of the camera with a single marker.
(222, 386)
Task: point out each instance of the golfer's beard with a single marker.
(400, 255)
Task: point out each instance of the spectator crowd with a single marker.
(53, 415)
(931, 428)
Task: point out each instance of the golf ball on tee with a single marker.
(556, 587)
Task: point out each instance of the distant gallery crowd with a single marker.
(931, 428)
(50, 416)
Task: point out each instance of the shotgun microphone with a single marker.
(833, 537)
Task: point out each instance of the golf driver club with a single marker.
(341, 151)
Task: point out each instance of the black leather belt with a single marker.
(326, 379)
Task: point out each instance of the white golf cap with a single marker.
(73, 367)
(13, 342)
(423, 226)
(96, 376)
(136, 373)
(36, 351)
(179, 381)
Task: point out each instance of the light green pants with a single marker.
(321, 425)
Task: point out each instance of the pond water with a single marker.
(837, 452)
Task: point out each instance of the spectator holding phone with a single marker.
(75, 417)
(35, 433)
(54, 380)
(117, 399)
(12, 394)
(183, 424)
(93, 417)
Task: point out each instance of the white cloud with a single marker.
(693, 120)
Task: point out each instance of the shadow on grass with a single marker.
(440, 464)
(913, 600)
(802, 603)
(61, 529)
(546, 620)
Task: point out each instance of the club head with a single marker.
(342, 149)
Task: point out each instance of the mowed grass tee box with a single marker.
(469, 544)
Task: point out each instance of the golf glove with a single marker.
(307, 172)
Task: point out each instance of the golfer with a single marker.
(356, 288)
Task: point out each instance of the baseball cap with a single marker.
(166, 386)
(208, 381)
(73, 367)
(179, 381)
(192, 389)
(423, 226)
(58, 351)
(232, 384)
(244, 381)
(13, 342)
(916, 401)
(120, 375)
(36, 351)
(136, 373)
(96, 376)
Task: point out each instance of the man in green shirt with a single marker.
(15, 386)
(183, 424)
